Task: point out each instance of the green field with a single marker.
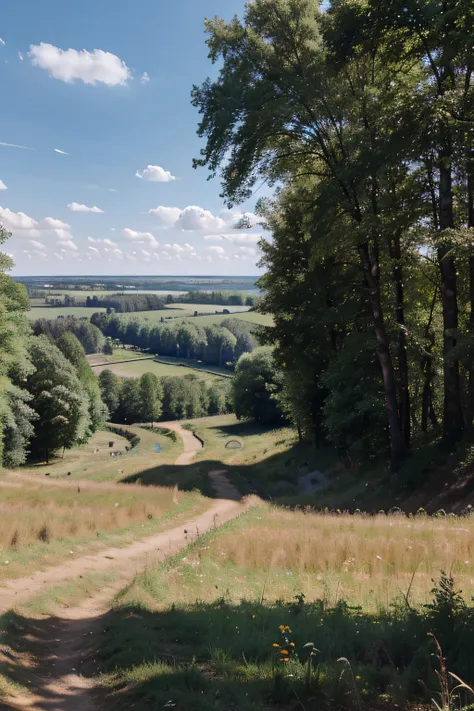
(52, 312)
(136, 368)
(152, 317)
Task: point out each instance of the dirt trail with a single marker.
(61, 687)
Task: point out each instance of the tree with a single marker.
(71, 348)
(110, 387)
(151, 394)
(16, 415)
(108, 347)
(285, 104)
(254, 386)
(58, 398)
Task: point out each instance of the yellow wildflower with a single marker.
(292, 644)
(284, 651)
(275, 644)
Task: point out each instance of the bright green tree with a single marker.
(151, 394)
(59, 399)
(254, 386)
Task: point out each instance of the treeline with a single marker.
(127, 303)
(222, 298)
(49, 397)
(151, 399)
(367, 127)
(88, 335)
(214, 345)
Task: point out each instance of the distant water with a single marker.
(160, 284)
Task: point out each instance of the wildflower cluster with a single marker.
(286, 649)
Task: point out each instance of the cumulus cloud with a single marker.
(140, 237)
(70, 65)
(93, 249)
(67, 244)
(2, 42)
(168, 215)
(51, 223)
(36, 245)
(63, 234)
(77, 207)
(2, 185)
(155, 174)
(248, 251)
(63, 153)
(216, 250)
(235, 238)
(104, 242)
(195, 218)
(144, 79)
(16, 220)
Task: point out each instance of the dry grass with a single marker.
(30, 513)
(366, 561)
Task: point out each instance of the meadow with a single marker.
(77, 504)
(52, 312)
(211, 319)
(297, 609)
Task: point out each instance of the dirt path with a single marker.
(60, 686)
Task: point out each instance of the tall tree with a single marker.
(58, 397)
(283, 105)
(151, 394)
(16, 415)
(110, 386)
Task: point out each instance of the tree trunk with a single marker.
(371, 272)
(453, 422)
(402, 356)
(470, 222)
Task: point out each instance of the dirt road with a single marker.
(59, 686)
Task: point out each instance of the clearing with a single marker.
(52, 312)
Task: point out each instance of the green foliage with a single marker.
(58, 397)
(16, 415)
(254, 386)
(151, 394)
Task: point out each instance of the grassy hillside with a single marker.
(294, 610)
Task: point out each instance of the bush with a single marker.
(122, 432)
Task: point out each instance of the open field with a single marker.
(76, 504)
(118, 354)
(137, 367)
(52, 312)
(293, 608)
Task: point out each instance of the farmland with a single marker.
(52, 312)
(211, 319)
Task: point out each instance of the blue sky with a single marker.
(125, 199)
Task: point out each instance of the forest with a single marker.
(361, 117)
(214, 345)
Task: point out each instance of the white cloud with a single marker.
(236, 238)
(140, 237)
(63, 153)
(155, 174)
(63, 234)
(16, 220)
(51, 223)
(36, 245)
(76, 207)
(2, 42)
(67, 244)
(105, 242)
(2, 185)
(144, 79)
(93, 249)
(71, 64)
(20, 55)
(15, 145)
(194, 218)
(248, 251)
(59, 256)
(168, 215)
(216, 250)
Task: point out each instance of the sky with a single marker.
(97, 137)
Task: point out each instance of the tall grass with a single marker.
(47, 513)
